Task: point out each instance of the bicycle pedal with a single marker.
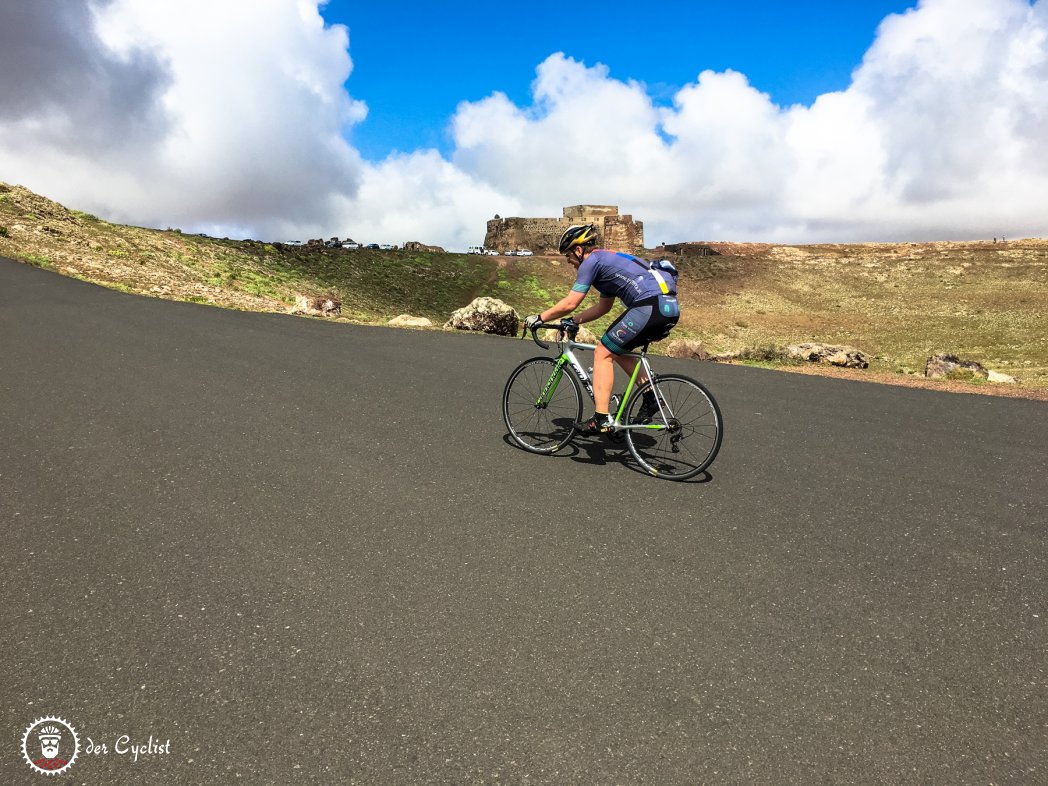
(614, 437)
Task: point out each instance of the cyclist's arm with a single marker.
(584, 279)
(597, 310)
(567, 304)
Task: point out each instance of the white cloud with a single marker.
(425, 198)
(537, 153)
(198, 113)
(210, 115)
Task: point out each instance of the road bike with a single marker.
(542, 403)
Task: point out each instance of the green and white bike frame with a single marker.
(568, 360)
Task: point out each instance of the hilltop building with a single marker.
(541, 235)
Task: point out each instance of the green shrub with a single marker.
(770, 353)
(3, 231)
(38, 261)
(962, 374)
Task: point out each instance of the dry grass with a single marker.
(899, 303)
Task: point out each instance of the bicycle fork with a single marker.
(551, 387)
(554, 380)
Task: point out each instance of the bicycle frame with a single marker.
(568, 359)
(539, 420)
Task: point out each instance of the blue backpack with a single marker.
(657, 268)
(666, 266)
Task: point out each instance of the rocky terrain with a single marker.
(898, 304)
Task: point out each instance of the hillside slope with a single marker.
(899, 303)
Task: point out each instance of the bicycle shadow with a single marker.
(599, 451)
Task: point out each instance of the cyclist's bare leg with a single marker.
(627, 363)
(603, 376)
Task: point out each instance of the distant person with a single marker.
(649, 292)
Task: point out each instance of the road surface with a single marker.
(304, 552)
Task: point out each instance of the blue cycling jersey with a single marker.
(620, 275)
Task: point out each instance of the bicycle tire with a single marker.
(690, 442)
(543, 429)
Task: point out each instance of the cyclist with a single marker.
(649, 292)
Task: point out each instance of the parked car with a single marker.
(350, 244)
(524, 253)
(387, 247)
(490, 252)
(293, 243)
(373, 246)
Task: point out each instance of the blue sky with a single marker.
(414, 62)
(753, 121)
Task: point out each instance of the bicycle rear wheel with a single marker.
(541, 405)
(691, 429)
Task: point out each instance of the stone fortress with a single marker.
(542, 235)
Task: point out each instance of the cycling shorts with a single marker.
(645, 321)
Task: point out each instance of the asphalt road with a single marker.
(304, 552)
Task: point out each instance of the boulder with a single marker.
(1001, 379)
(406, 320)
(845, 357)
(317, 306)
(687, 348)
(947, 365)
(487, 315)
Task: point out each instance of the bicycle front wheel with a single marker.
(684, 435)
(541, 405)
